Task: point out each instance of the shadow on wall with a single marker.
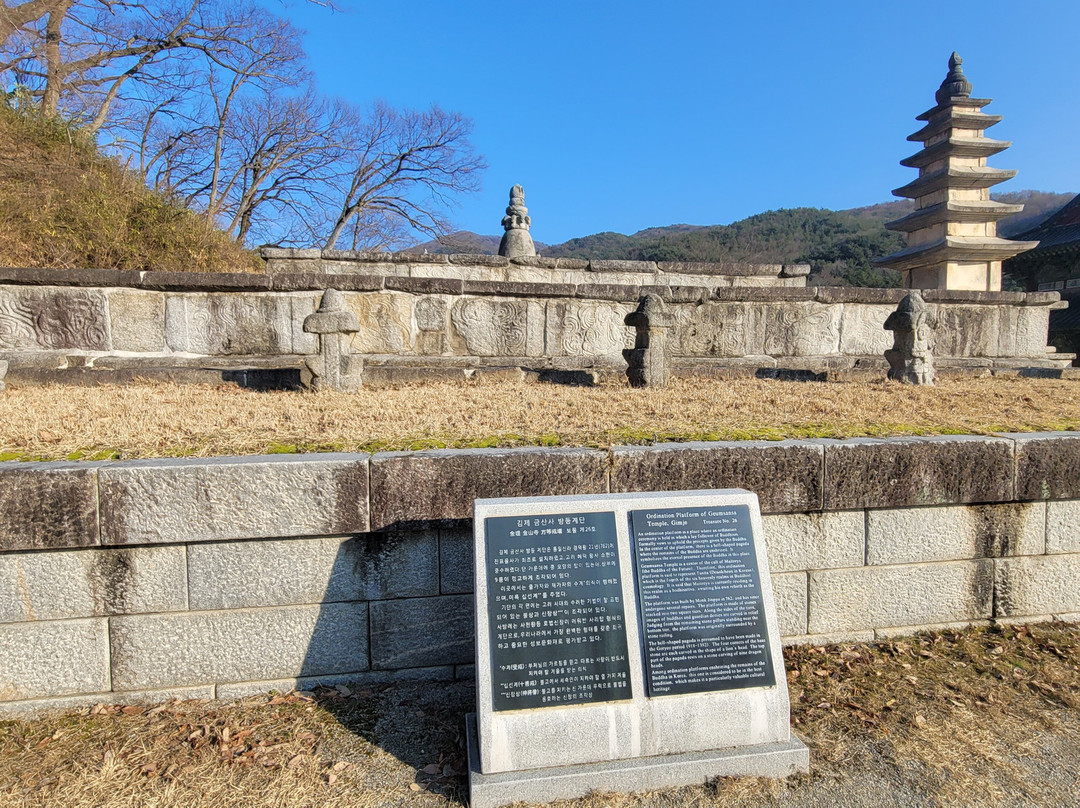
(394, 629)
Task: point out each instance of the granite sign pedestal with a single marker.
(624, 642)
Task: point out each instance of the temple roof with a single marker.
(968, 211)
(956, 147)
(955, 119)
(955, 177)
(1059, 233)
(954, 248)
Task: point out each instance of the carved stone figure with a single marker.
(516, 241)
(333, 368)
(647, 361)
(911, 359)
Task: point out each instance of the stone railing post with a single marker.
(911, 358)
(648, 360)
(333, 368)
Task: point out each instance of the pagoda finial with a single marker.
(516, 242)
(956, 84)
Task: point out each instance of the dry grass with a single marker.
(154, 420)
(957, 717)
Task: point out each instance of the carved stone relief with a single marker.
(491, 327)
(593, 328)
(861, 330)
(714, 329)
(385, 323)
(53, 319)
(801, 329)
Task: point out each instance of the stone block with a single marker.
(490, 326)
(228, 324)
(318, 281)
(907, 631)
(800, 329)
(232, 575)
(1063, 526)
(786, 475)
(517, 289)
(424, 286)
(813, 541)
(622, 266)
(726, 329)
(902, 595)
(939, 470)
(608, 291)
(1046, 465)
(53, 658)
(954, 532)
(838, 638)
(205, 282)
(1037, 585)
(91, 583)
(47, 506)
(790, 595)
(44, 276)
(53, 318)
(862, 332)
(161, 501)
(480, 260)
(588, 328)
(195, 648)
(416, 487)
(303, 306)
(456, 561)
(421, 632)
(965, 330)
(136, 320)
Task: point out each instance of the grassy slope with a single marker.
(64, 205)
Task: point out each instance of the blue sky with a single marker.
(621, 116)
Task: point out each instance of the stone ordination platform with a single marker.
(624, 642)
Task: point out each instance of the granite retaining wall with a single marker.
(84, 322)
(202, 578)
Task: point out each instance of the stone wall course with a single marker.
(424, 286)
(811, 541)
(36, 658)
(1046, 465)
(902, 595)
(422, 632)
(318, 281)
(91, 583)
(232, 575)
(409, 489)
(955, 532)
(136, 320)
(898, 472)
(1037, 585)
(196, 648)
(205, 282)
(790, 596)
(48, 506)
(786, 475)
(456, 560)
(1063, 526)
(161, 501)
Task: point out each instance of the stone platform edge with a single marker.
(72, 504)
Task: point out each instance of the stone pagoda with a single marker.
(952, 240)
(516, 241)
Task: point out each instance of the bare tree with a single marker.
(406, 167)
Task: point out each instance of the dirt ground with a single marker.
(982, 717)
(163, 420)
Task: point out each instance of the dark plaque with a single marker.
(555, 610)
(699, 591)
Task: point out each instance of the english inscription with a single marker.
(555, 611)
(701, 608)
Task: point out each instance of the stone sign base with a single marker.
(774, 760)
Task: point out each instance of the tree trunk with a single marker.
(54, 76)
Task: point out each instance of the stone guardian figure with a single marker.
(911, 358)
(516, 241)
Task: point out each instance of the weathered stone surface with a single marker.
(903, 595)
(1038, 585)
(939, 470)
(239, 690)
(887, 298)
(810, 541)
(232, 575)
(44, 276)
(205, 282)
(491, 327)
(235, 646)
(518, 289)
(47, 506)
(53, 318)
(480, 260)
(53, 658)
(622, 266)
(589, 328)
(764, 294)
(954, 532)
(717, 330)
(136, 320)
(91, 583)
(964, 330)
(408, 487)
(229, 324)
(424, 285)
(1063, 526)
(385, 322)
(159, 501)
(1046, 465)
(861, 331)
(608, 291)
(3, 374)
(801, 329)
(456, 560)
(420, 632)
(317, 281)
(911, 358)
(786, 475)
(789, 592)
(33, 707)
(516, 241)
